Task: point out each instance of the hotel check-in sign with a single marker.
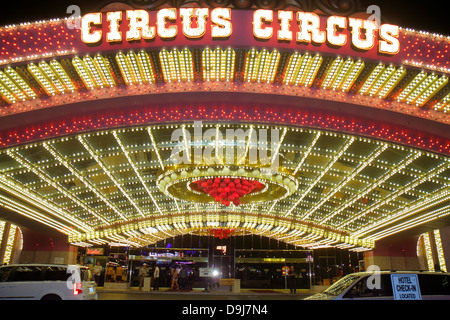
(405, 287)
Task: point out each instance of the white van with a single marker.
(389, 285)
(46, 282)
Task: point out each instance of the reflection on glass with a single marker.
(338, 287)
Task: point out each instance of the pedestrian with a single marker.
(183, 278)
(119, 273)
(292, 280)
(97, 271)
(174, 285)
(110, 273)
(143, 272)
(156, 278)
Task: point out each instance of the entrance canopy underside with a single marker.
(137, 139)
(137, 185)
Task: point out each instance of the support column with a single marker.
(17, 247)
(442, 248)
(434, 249)
(4, 241)
(47, 248)
(394, 254)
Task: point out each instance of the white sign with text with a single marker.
(405, 287)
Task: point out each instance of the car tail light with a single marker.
(77, 289)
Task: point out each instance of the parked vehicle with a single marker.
(389, 285)
(46, 282)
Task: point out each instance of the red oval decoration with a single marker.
(226, 190)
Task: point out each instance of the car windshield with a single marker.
(338, 287)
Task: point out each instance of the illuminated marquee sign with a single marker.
(217, 24)
(95, 251)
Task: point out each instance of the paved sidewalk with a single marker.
(201, 294)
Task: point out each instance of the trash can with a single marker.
(237, 286)
(147, 284)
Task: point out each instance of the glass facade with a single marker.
(259, 262)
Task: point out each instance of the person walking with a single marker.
(97, 271)
(292, 280)
(156, 278)
(119, 273)
(183, 278)
(110, 273)
(174, 285)
(143, 272)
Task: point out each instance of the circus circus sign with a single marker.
(294, 29)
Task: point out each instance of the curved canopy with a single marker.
(109, 185)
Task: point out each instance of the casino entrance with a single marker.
(257, 261)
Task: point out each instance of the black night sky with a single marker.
(420, 15)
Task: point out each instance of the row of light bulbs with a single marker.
(260, 66)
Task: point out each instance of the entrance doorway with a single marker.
(259, 262)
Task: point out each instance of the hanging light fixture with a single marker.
(228, 190)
